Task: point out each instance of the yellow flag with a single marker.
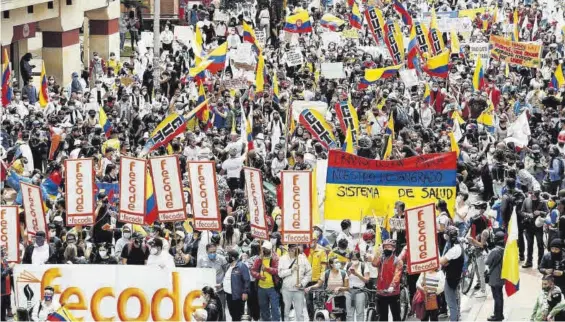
(455, 47)
(388, 150)
(349, 141)
(454, 145)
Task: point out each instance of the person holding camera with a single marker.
(493, 275)
(478, 236)
(533, 209)
(135, 252)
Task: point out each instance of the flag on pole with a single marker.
(454, 144)
(331, 22)
(43, 91)
(390, 126)
(104, 122)
(388, 150)
(455, 47)
(260, 74)
(557, 80)
(348, 144)
(478, 75)
(275, 88)
(6, 79)
(510, 261)
(399, 7)
(516, 29)
(298, 23)
(355, 16)
(438, 66)
(373, 75)
(436, 40)
(427, 93)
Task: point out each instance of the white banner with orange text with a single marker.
(204, 192)
(10, 233)
(421, 238)
(296, 207)
(168, 188)
(132, 190)
(116, 292)
(33, 207)
(256, 203)
(79, 179)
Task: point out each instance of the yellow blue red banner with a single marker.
(358, 186)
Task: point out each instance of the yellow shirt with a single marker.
(268, 281)
(18, 167)
(115, 64)
(316, 259)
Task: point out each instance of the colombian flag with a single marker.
(516, 29)
(260, 74)
(50, 186)
(43, 95)
(247, 128)
(486, 118)
(557, 80)
(510, 261)
(104, 122)
(275, 88)
(355, 17)
(388, 149)
(454, 144)
(197, 44)
(478, 75)
(427, 96)
(6, 79)
(62, 314)
(200, 71)
(412, 55)
(438, 66)
(249, 35)
(434, 35)
(331, 22)
(217, 58)
(298, 23)
(390, 126)
(406, 18)
(373, 75)
(348, 144)
(150, 203)
(203, 114)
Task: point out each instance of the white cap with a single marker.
(180, 233)
(267, 245)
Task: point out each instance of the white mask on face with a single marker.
(316, 233)
(337, 265)
(103, 253)
(278, 222)
(153, 250)
(127, 235)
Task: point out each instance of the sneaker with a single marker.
(527, 265)
(442, 315)
(481, 294)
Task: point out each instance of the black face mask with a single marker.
(387, 252)
(556, 256)
(230, 259)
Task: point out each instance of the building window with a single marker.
(69, 2)
(50, 5)
(6, 14)
(29, 9)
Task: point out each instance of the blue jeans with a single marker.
(122, 40)
(452, 299)
(269, 304)
(462, 226)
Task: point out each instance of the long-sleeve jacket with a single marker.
(286, 265)
(390, 272)
(273, 270)
(240, 280)
(545, 302)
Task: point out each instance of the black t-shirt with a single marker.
(135, 255)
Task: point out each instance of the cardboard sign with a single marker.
(220, 15)
(479, 48)
(146, 39)
(459, 25)
(518, 53)
(205, 204)
(294, 58)
(236, 83)
(331, 37)
(183, 34)
(421, 239)
(123, 292)
(168, 188)
(296, 207)
(409, 77)
(261, 37)
(397, 223)
(33, 207)
(132, 190)
(350, 34)
(79, 178)
(256, 203)
(10, 233)
(332, 70)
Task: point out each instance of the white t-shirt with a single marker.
(227, 280)
(40, 254)
(454, 252)
(233, 167)
(191, 153)
(460, 211)
(163, 260)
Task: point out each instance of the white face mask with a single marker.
(127, 235)
(154, 251)
(354, 262)
(316, 233)
(337, 265)
(103, 253)
(278, 222)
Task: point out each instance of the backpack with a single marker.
(327, 275)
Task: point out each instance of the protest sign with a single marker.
(183, 34)
(513, 52)
(296, 207)
(421, 239)
(316, 124)
(79, 177)
(10, 233)
(397, 223)
(481, 49)
(167, 185)
(459, 25)
(294, 58)
(33, 208)
(409, 77)
(243, 57)
(356, 185)
(332, 70)
(205, 204)
(256, 203)
(350, 34)
(122, 293)
(331, 37)
(298, 106)
(375, 51)
(236, 83)
(260, 36)
(132, 188)
(220, 15)
(146, 39)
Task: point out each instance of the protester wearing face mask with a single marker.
(494, 264)
(346, 234)
(295, 272)
(102, 255)
(318, 260)
(336, 281)
(213, 305)
(123, 241)
(40, 252)
(452, 261)
(135, 252)
(219, 264)
(265, 271)
(552, 263)
(159, 257)
(45, 307)
(236, 285)
(388, 280)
